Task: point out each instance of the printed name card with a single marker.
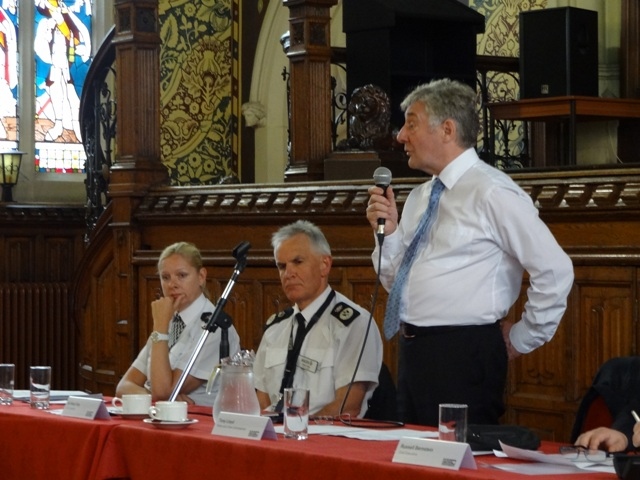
(85, 407)
(434, 453)
(238, 425)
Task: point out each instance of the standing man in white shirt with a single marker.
(467, 270)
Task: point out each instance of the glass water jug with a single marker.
(236, 389)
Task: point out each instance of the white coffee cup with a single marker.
(169, 411)
(133, 404)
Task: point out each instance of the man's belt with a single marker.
(408, 330)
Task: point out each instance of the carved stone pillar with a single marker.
(137, 163)
(310, 64)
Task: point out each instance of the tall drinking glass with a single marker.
(7, 373)
(40, 384)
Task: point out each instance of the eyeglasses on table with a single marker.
(348, 420)
(578, 452)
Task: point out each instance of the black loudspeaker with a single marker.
(398, 45)
(558, 52)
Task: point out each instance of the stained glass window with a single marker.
(62, 46)
(8, 74)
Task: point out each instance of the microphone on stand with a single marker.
(223, 321)
(216, 319)
(382, 179)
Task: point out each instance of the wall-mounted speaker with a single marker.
(558, 52)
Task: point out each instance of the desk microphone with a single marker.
(382, 179)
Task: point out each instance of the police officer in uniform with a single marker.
(316, 343)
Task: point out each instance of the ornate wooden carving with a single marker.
(595, 192)
(369, 116)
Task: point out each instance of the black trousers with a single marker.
(466, 364)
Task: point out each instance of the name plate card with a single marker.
(86, 407)
(434, 453)
(238, 425)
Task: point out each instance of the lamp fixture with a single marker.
(10, 169)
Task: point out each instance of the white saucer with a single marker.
(168, 424)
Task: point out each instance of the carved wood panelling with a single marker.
(40, 244)
(109, 337)
(600, 323)
(541, 373)
(102, 330)
(596, 193)
(605, 324)
(19, 259)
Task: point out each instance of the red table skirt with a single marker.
(39, 445)
(141, 451)
(36, 444)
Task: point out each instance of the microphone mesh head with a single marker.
(382, 176)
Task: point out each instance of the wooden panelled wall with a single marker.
(594, 215)
(40, 248)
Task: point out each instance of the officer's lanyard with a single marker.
(294, 350)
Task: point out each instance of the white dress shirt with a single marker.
(180, 353)
(469, 272)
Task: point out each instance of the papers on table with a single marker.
(58, 397)
(360, 433)
(548, 464)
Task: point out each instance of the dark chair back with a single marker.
(615, 386)
(383, 404)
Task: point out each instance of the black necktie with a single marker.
(176, 328)
(294, 351)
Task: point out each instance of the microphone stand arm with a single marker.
(217, 319)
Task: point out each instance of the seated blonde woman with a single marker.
(177, 328)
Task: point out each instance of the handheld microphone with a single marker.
(382, 179)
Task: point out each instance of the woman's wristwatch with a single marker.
(159, 337)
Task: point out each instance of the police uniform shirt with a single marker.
(329, 353)
(179, 355)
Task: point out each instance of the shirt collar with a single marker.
(192, 312)
(457, 167)
(313, 307)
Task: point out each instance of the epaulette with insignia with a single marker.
(345, 313)
(278, 317)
